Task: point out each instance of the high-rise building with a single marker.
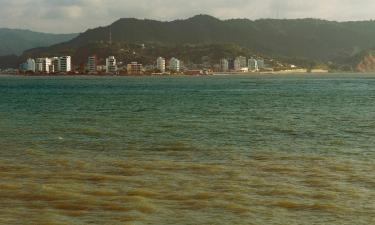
(253, 65)
(261, 64)
(224, 65)
(174, 65)
(160, 64)
(135, 68)
(111, 65)
(237, 65)
(92, 64)
(51, 68)
(55, 64)
(240, 63)
(242, 60)
(39, 65)
(46, 63)
(30, 65)
(65, 64)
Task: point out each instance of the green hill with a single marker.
(309, 38)
(15, 41)
(299, 39)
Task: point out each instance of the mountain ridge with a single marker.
(15, 41)
(309, 38)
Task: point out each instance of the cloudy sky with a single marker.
(63, 16)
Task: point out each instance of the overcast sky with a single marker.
(63, 16)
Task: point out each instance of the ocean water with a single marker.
(290, 149)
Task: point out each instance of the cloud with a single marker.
(77, 15)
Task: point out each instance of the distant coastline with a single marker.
(182, 75)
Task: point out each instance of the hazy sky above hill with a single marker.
(61, 16)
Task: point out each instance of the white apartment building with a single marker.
(242, 60)
(55, 65)
(253, 65)
(47, 62)
(42, 65)
(65, 64)
(261, 64)
(174, 65)
(39, 65)
(240, 64)
(237, 65)
(111, 65)
(160, 64)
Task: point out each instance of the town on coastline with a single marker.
(62, 65)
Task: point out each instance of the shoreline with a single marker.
(185, 75)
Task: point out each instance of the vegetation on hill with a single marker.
(9, 61)
(306, 42)
(306, 38)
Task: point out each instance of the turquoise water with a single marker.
(291, 149)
